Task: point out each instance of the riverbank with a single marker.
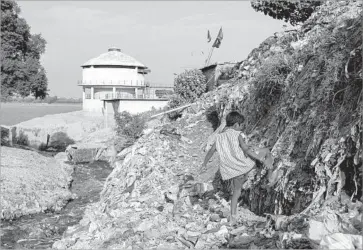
(40, 231)
(33, 195)
(32, 183)
(59, 130)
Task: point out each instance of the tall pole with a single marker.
(206, 61)
(210, 55)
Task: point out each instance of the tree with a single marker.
(292, 11)
(21, 70)
(190, 84)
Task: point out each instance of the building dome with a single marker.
(114, 56)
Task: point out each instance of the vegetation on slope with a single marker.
(305, 102)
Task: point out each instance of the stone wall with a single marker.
(217, 74)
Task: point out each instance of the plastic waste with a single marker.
(341, 241)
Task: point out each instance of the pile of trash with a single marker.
(300, 96)
(156, 199)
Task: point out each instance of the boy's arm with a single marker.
(248, 151)
(209, 155)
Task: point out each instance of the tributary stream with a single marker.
(40, 231)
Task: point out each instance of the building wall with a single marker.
(138, 106)
(112, 76)
(131, 106)
(213, 75)
(95, 106)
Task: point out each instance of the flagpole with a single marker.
(210, 55)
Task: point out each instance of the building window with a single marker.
(87, 92)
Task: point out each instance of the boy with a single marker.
(237, 160)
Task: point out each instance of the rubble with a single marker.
(32, 183)
(85, 152)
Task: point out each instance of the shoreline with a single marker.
(46, 189)
(41, 104)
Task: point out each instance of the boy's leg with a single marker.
(265, 152)
(237, 184)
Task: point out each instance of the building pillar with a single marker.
(136, 76)
(135, 92)
(105, 113)
(114, 92)
(92, 92)
(84, 93)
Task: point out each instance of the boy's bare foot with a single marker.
(269, 161)
(232, 219)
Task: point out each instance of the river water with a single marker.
(40, 231)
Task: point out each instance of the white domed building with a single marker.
(115, 81)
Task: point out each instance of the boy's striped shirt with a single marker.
(233, 161)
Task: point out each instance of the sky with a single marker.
(166, 36)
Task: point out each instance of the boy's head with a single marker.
(235, 120)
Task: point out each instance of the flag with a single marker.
(208, 37)
(218, 40)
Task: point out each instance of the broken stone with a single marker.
(341, 241)
(81, 153)
(316, 231)
(215, 218)
(145, 225)
(238, 230)
(172, 193)
(201, 244)
(223, 231)
(241, 241)
(224, 221)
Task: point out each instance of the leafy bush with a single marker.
(122, 142)
(213, 116)
(129, 126)
(291, 11)
(22, 139)
(174, 102)
(60, 141)
(190, 84)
